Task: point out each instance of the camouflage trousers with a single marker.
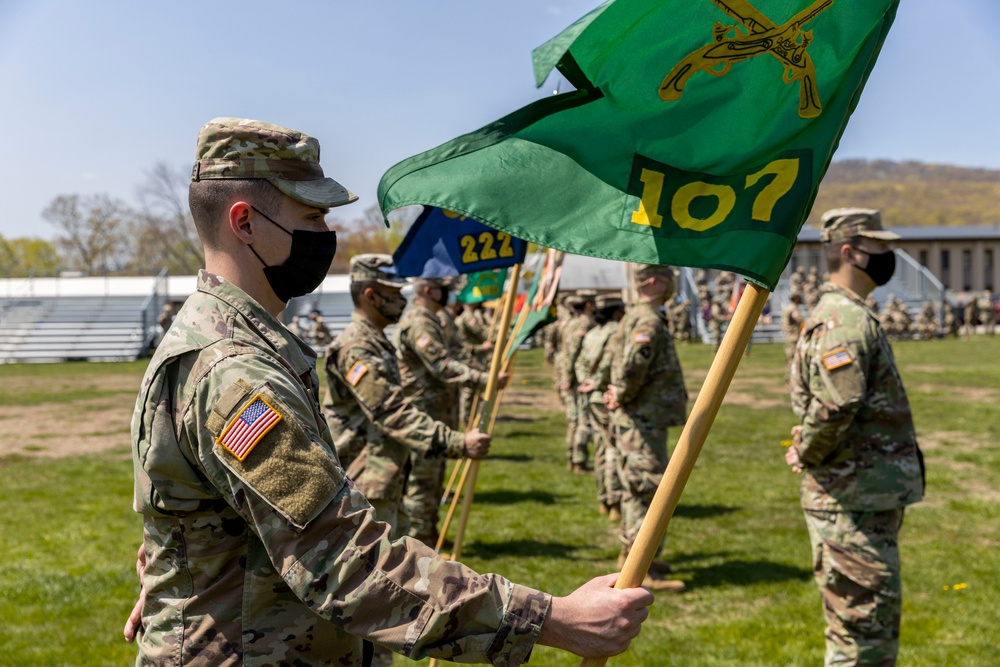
(790, 345)
(423, 499)
(572, 418)
(856, 567)
(579, 451)
(642, 452)
(609, 486)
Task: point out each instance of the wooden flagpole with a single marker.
(706, 407)
(489, 397)
(473, 420)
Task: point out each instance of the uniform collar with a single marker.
(369, 329)
(300, 356)
(849, 294)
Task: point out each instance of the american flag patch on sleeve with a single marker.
(356, 373)
(836, 359)
(423, 341)
(248, 427)
(641, 338)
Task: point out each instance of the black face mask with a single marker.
(393, 315)
(880, 267)
(307, 263)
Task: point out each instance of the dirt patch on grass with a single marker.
(519, 399)
(954, 441)
(959, 393)
(58, 429)
(752, 392)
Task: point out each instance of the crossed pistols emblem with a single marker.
(787, 42)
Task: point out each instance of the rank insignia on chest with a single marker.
(641, 338)
(248, 427)
(423, 341)
(837, 358)
(357, 371)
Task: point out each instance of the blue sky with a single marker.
(96, 93)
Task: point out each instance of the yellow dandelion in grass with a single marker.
(960, 587)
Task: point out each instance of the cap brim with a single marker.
(321, 193)
(881, 235)
(398, 283)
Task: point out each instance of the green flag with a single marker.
(538, 307)
(482, 286)
(698, 133)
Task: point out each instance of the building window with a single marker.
(988, 269)
(946, 268)
(967, 270)
(923, 258)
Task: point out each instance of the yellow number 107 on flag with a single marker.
(684, 194)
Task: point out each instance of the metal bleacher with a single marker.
(53, 328)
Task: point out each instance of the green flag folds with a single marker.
(697, 135)
(482, 286)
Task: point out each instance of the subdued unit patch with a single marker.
(292, 472)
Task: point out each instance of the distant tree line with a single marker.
(101, 235)
(912, 194)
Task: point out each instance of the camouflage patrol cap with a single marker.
(375, 267)
(610, 301)
(647, 270)
(840, 224)
(289, 160)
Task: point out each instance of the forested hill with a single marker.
(912, 194)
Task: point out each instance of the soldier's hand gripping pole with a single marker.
(706, 407)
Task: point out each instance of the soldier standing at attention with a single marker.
(856, 445)
(374, 428)
(473, 333)
(431, 380)
(645, 396)
(593, 368)
(257, 549)
(577, 419)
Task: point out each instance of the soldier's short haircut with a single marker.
(608, 312)
(832, 252)
(209, 200)
(358, 288)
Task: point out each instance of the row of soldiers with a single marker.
(395, 410)
(622, 386)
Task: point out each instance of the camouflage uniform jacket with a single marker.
(572, 344)
(646, 372)
(858, 444)
(593, 346)
(374, 427)
(431, 376)
(259, 550)
(604, 342)
(473, 331)
(791, 322)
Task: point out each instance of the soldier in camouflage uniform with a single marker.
(593, 372)
(577, 412)
(257, 548)
(431, 378)
(856, 445)
(474, 334)
(374, 427)
(646, 394)
(987, 313)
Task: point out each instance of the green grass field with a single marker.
(68, 535)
